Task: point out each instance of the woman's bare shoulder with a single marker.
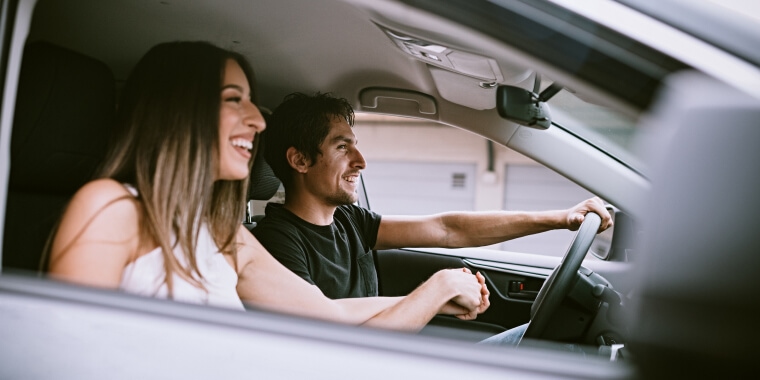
(101, 201)
(98, 235)
(97, 196)
(101, 191)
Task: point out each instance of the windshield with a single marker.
(613, 131)
(605, 128)
(750, 9)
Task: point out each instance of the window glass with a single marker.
(418, 168)
(611, 131)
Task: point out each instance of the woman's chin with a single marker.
(234, 175)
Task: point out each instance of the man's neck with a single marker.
(312, 210)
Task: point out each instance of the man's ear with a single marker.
(297, 160)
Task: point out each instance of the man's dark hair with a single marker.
(303, 122)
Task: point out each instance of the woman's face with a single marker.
(239, 121)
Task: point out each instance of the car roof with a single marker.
(345, 47)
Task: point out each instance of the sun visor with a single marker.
(464, 90)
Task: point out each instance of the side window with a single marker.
(534, 187)
(419, 167)
(420, 187)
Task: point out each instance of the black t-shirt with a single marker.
(336, 258)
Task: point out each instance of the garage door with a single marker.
(419, 188)
(537, 188)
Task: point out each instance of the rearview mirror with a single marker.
(523, 107)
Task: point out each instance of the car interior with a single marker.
(64, 107)
(424, 60)
(454, 87)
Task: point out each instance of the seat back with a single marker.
(698, 298)
(64, 114)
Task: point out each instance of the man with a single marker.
(320, 234)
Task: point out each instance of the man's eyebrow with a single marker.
(345, 138)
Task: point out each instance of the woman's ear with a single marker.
(297, 160)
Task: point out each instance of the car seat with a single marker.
(263, 183)
(62, 123)
(697, 300)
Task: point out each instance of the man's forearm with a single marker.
(471, 229)
(485, 228)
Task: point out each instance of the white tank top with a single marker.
(145, 276)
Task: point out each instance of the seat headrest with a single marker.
(263, 183)
(64, 113)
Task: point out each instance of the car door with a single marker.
(513, 277)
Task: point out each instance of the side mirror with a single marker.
(523, 107)
(601, 248)
(617, 242)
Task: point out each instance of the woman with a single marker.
(163, 219)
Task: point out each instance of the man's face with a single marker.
(335, 176)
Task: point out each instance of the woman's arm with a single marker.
(97, 235)
(264, 282)
(413, 312)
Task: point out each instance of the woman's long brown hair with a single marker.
(165, 145)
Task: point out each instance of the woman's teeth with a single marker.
(243, 143)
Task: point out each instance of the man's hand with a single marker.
(577, 214)
(453, 307)
(484, 302)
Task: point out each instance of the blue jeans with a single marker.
(508, 338)
(512, 337)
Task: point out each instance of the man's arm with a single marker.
(473, 229)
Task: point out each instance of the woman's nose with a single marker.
(254, 118)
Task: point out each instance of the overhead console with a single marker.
(461, 77)
(442, 56)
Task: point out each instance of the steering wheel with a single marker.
(558, 285)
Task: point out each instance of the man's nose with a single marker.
(358, 159)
